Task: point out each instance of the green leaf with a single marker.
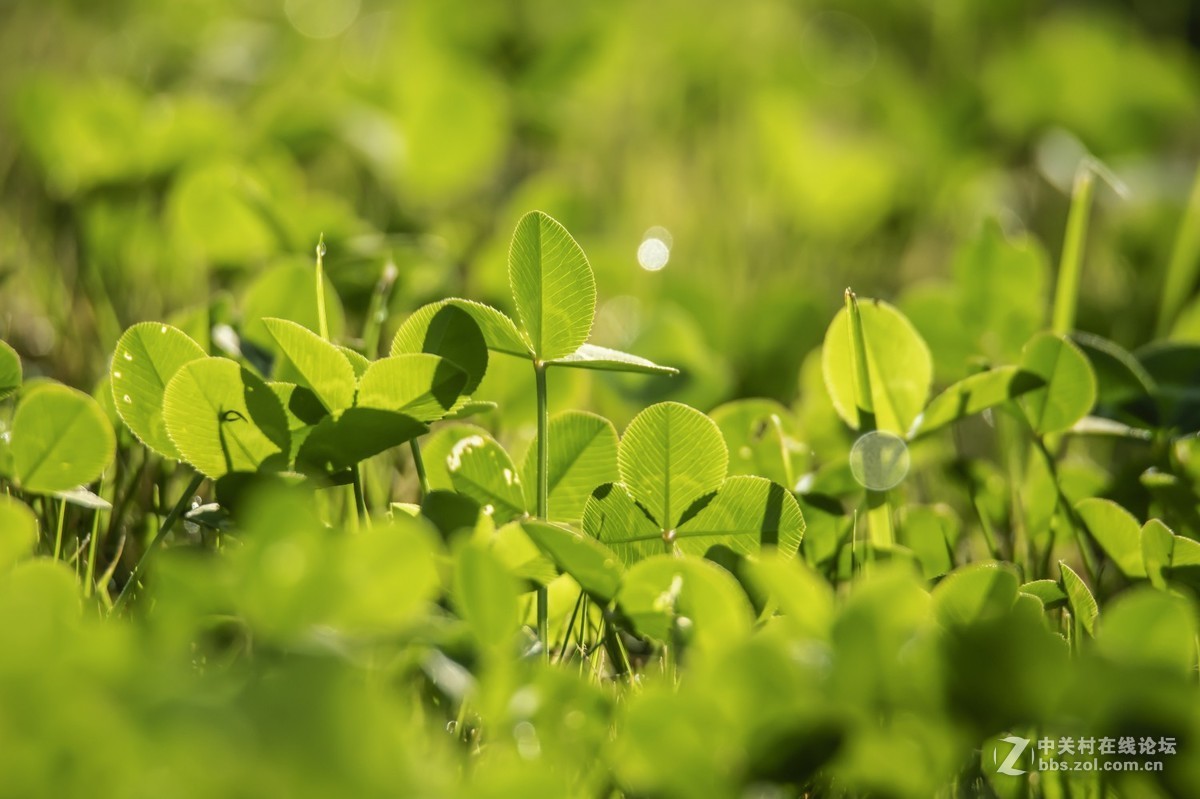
(552, 286)
(590, 356)
(336, 443)
(1049, 592)
(1069, 389)
(485, 594)
(1083, 604)
(746, 514)
(60, 439)
(898, 362)
(612, 516)
(147, 356)
(435, 450)
(521, 556)
(1158, 545)
(975, 593)
(803, 597)
(480, 468)
(357, 360)
(666, 586)
(670, 456)
(448, 331)
(582, 456)
(594, 566)
(1149, 628)
(1117, 532)
(224, 418)
(975, 394)
(389, 574)
(10, 371)
(422, 386)
(466, 408)
(1119, 376)
(319, 364)
(18, 532)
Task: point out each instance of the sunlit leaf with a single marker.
(746, 514)
(612, 516)
(670, 456)
(448, 331)
(147, 357)
(223, 418)
(664, 587)
(480, 468)
(590, 356)
(60, 439)
(975, 593)
(582, 456)
(594, 566)
(10, 371)
(1069, 389)
(422, 386)
(338, 442)
(1079, 597)
(319, 364)
(1117, 532)
(975, 394)
(898, 362)
(552, 285)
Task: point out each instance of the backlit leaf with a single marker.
(60, 439)
(552, 285)
(147, 356)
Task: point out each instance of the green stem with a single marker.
(543, 494)
(879, 512)
(322, 319)
(360, 497)
(1066, 294)
(91, 561)
(130, 586)
(1184, 263)
(58, 536)
(419, 465)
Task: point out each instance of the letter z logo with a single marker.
(1019, 745)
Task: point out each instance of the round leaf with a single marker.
(1070, 385)
(582, 456)
(480, 468)
(552, 285)
(612, 516)
(60, 439)
(898, 362)
(147, 356)
(223, 418)
(10, 371)
(670, 456)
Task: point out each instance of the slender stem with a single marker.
(419, 465)
(879, 511)
(91, 561)
(135, 577)
(322, 319)
(1066, 294)
(58, 536)
(1184, 263)
(543, 495)
(562, 652)
(360, 497)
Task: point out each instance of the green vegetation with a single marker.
(381, 486)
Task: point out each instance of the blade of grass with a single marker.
(1184, 263)
(1066, 293)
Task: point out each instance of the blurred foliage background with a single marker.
(158, 159)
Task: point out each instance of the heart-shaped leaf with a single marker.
(147, 356)
(898, 363)
(1117, 532)
(10, 371)
(480, 468)
(552, 285)
(448, 331)
(590, 356)
(594, 566)
(975, 394)
(582, 456)
(1069, 389)
(60, 439)
(746, 514)
(422, 386)
(670, 456)
(320, 366)
(224, 418)
(336, 443)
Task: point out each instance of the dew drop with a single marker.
(162, 329)
(879, 461)
(129, 356)
(117, 374)
(128, 399)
